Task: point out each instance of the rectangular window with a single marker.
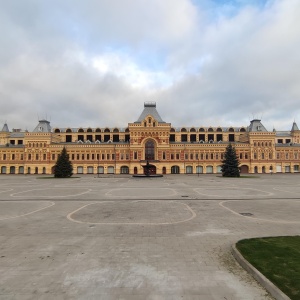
(108, 156)
(78, 157)
(231, 137)
(270, 155)
(177, 156)
(127, 156)
(53, 156)
(193, 138)
(295, 155)
(44, 156)
(172, 137)
(122, 156)
(219, 137)
(164, 155)
(82, 156)
(241, 155)
(87, 156)
(280, 141)
(103, 156)
(191, 156)
(98, 156)
(286, 156)
(135, 155)
(246, 155)
(13, 156)
(206, 156)
(20, 142)
(22, 157)
(211, 156)
(73, 156)
(197, 156)
(262, 156)
(201, 137)
(202, 156)
(172, 155)
(184, 137)
(255, 155)
(93, 156)
(113, 156)
(217, 155)
(186, 156)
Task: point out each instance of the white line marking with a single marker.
(51, 204)
(254, 218)
(69, 216)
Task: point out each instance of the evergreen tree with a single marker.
(63, 167)
(230, 163)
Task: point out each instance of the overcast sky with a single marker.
(95, 62)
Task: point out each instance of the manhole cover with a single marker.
(246, 214)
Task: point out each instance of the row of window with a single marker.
(202, 129)
(262, 144)
(69, 130)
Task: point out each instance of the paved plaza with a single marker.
(130, 238)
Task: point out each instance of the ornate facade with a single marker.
(169, 150)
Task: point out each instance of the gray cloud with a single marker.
(201, 68)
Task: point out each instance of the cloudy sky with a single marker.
(95, 62)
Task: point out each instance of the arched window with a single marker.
(116, 130)
(242, 129)
(89, 130)
(124, 170)
(98, 130)
(175, 170)
(193, 130)
(201, 129)
(57, 130)
(231, 129)
(149, 150)
(210, 129)
(106, 130)
(69, 130)
(219, 129)
(183, 130)
(80, 130)
(172, 129)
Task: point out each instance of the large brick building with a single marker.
(186, 150)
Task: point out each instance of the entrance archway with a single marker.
(244, 169)
(175, 170)
(164, 170)
(151, 169)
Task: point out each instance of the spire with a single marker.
(5, 128)
(294, 127)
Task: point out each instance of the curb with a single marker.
(265, 282)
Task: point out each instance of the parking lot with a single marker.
(121, 237)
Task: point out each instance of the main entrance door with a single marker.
(151, 169)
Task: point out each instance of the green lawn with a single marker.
(278, 258)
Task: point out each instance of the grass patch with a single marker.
(278, 258)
